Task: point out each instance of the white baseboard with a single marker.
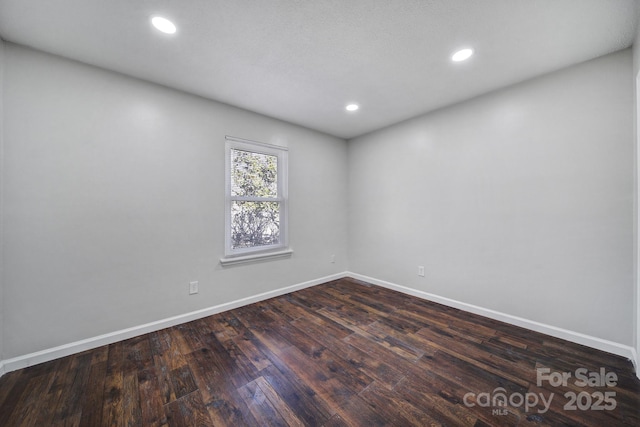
(576, 337)
(635, 361)
(47, 355)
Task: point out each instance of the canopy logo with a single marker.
(498, 399)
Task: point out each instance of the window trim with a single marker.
(234, 256)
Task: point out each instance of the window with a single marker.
(256, 200)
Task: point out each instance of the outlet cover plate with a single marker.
(193, 288)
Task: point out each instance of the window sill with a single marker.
(255, 257)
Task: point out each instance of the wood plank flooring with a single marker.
(344, 353)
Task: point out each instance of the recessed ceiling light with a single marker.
(163, 24)
(352, 107)
(461, 55)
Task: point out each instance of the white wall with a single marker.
(520, 201)
(636, 42)
(636, 79)
(2, 61)
(114, 201)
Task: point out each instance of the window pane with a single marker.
(254, 224)
(253, 174)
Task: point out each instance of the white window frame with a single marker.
(232, 255)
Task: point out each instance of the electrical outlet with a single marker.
(421, 271)
(193, 288)
(332, 260)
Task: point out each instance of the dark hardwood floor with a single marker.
(342, 353)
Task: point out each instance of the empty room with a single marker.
(319, 213)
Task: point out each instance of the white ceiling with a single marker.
(303, 61)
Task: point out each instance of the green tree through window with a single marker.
(254, 223)
(256, 197)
